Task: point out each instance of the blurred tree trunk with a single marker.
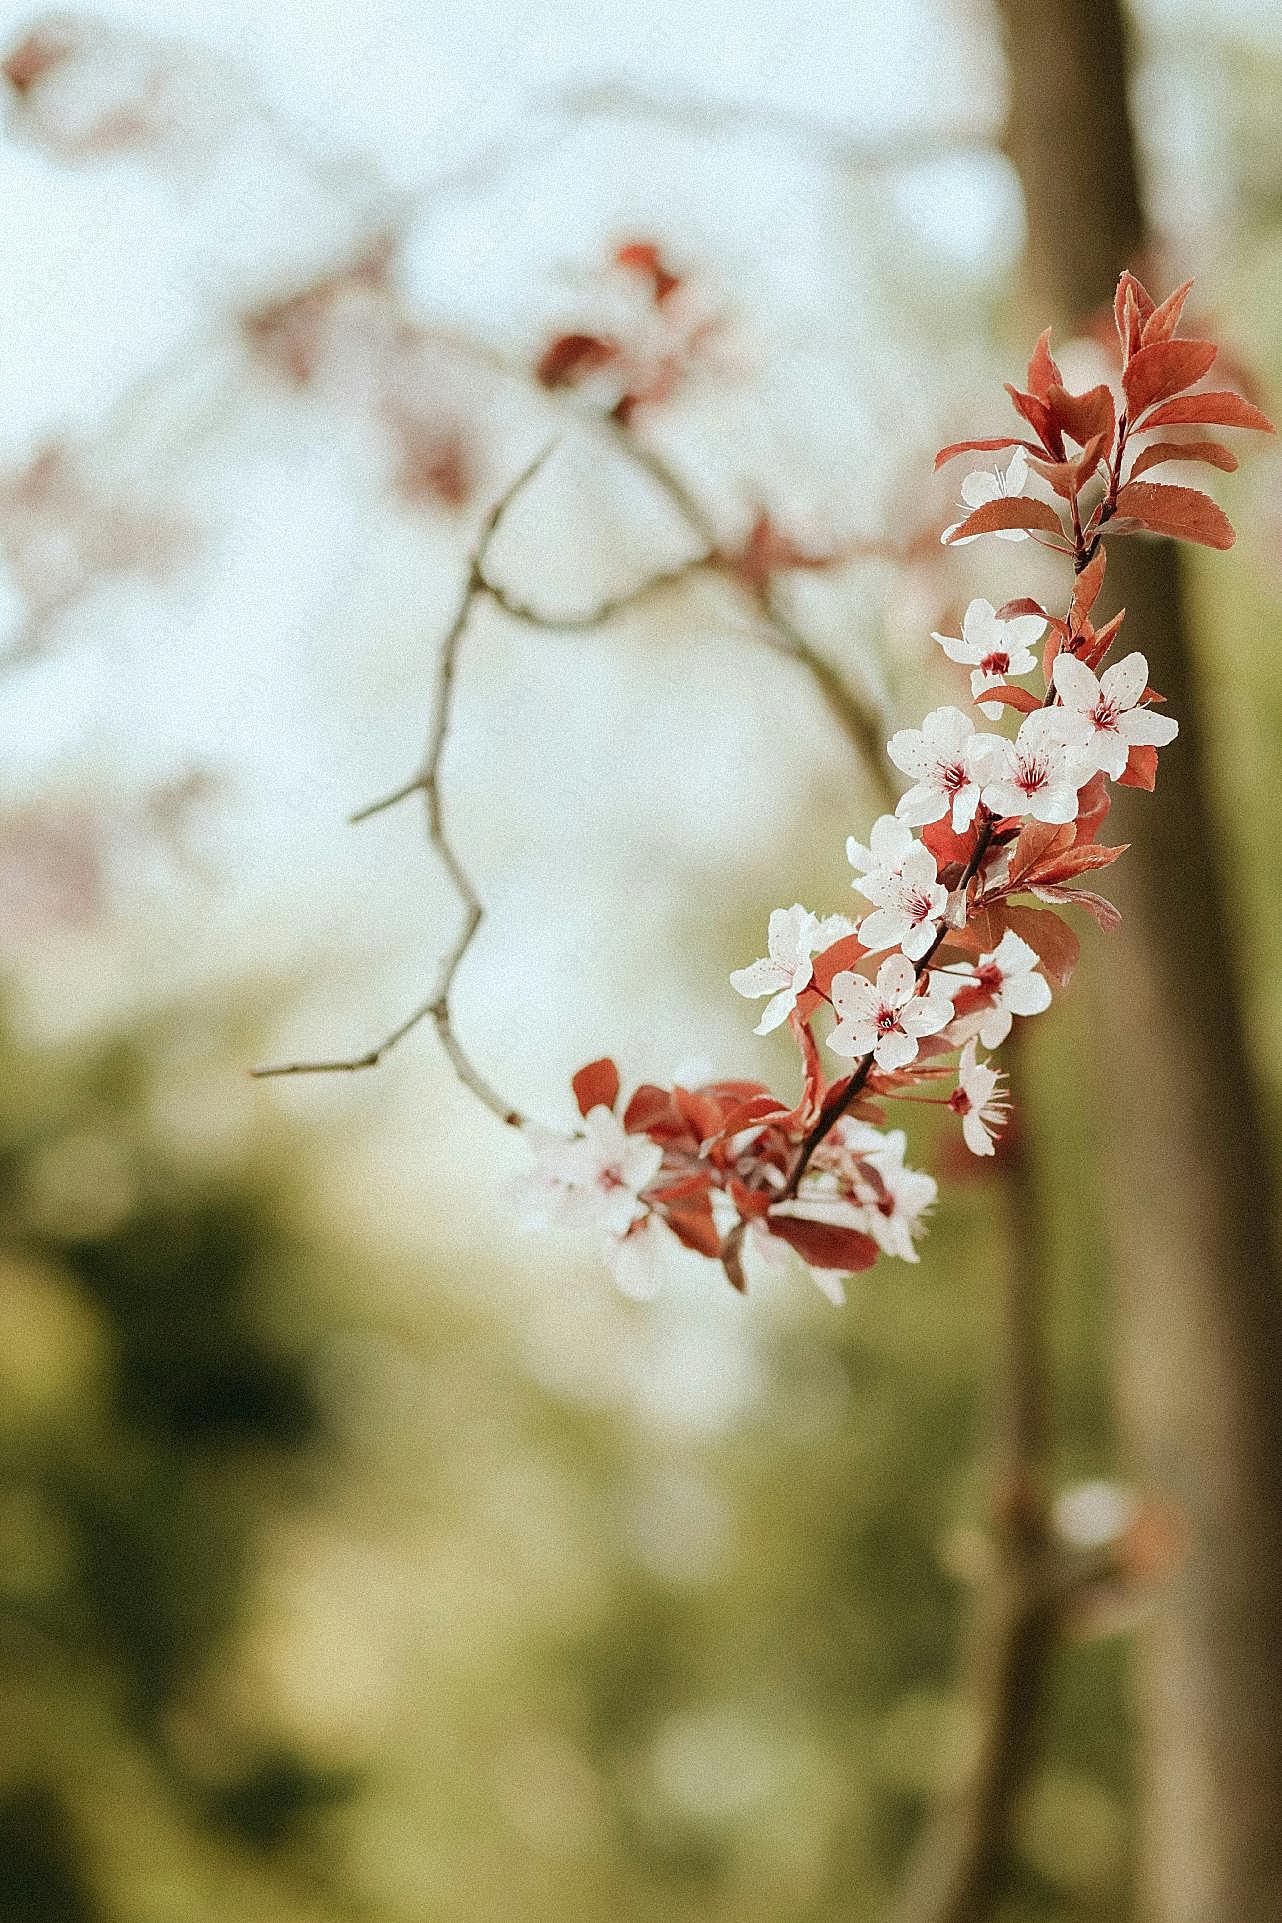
(1190, 1176)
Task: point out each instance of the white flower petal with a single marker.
(1125, 681)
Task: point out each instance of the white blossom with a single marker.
(593, 1180)
(885, 1018)
(1110, 708)
(1040, 771)
(976, 1100)
(908, 896)
(985, 484)
(879, 863)
(941, 757)
(1009, 974)
(795, 936)
(993, 648)
(893, 1212)
(641, 1260)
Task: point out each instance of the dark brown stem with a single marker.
(834, 1111)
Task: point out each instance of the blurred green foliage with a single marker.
(645, 1666)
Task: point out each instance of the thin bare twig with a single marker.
(428, 783)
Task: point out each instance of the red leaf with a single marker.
(842, 954)
(824, 1245)
(1013, 510)
(1214, 453)
(687, 1209)
(1132, 305)
(1070, 477)
(1076, 860)
(1040, 419)
(1056, 945)
(1103, 910)
(596, 1085)
(1019, 698)
(1140, 770)
(945, 845)
(650, 1109)
(1164, 320)
(1209, 410)
(757, 1110)
(752, 1204)
(1183, 512)
(1163, 369)
(1102, 641)
(1083, 416)
(1042, 371)
(983, 447)
(1093, 803)
(1088, 584)
(1023, 605)
(643, 257)
(700, 1113)
(572, 358)
(1038, 841)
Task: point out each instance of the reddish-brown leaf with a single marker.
(1078, 859)
(687, 1208)
(1140, 770)
(825, 1245)
(946, 845)
(1024, 604)
(1214, 409)
(651, 1109)
(842, 954)
(1056, 945)
(1182, 512)
(1038, 842)
(701, 1113)
(983, 447)
(1088, 584)
(1083, 416)
(752, 1204)
(643, 257)
(1165, 368)
(1164, 319)
(572, 358)
(1103, 640)
(1093, 804)
(1098, 905)
(1040, 419)
(596, 1085)
(1214, 453)
(1042, 371)
(1019, 698)
(1132, 305)
(1013, 510)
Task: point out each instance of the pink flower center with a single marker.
(887, 1020)
(918, 908)
(989, 977)
(995, 663)
(610, 1178)
(959, 1102)
(952, 777)
(1104, 716)
(1031, 775)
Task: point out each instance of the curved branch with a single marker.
(428, 783)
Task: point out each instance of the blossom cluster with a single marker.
(960, 930)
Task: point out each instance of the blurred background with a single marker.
(360, 1558)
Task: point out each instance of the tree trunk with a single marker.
(1182, 1131)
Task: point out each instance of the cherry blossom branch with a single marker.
(835, 1109)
